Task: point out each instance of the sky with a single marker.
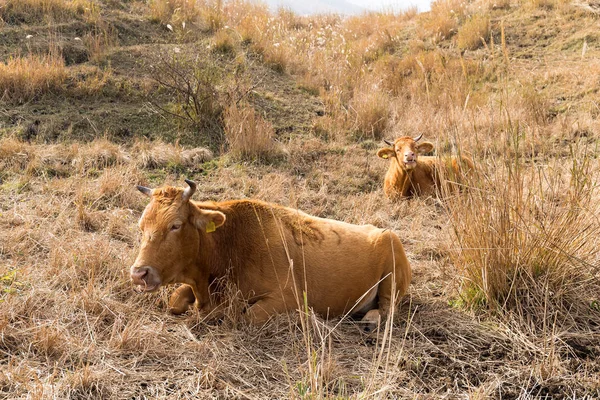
(396, 5)
(305, 7)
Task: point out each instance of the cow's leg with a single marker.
(395, 280)
(260, 312)
(181, 299)
(371, 320)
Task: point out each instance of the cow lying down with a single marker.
(410, 174)
(273, 255)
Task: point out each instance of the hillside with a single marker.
(98, 96)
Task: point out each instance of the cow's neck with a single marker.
(224, 250)
(403, 179)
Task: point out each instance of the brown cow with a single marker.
(412, 175)
(272, 253)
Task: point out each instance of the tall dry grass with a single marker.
(23, 78)
(36, 11)
(249, 136)
(474, 33)
(526, 226)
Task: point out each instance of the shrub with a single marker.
(192, 85)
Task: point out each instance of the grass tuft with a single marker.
(525, 236)
(474, 33)
(24, 78)
(248, 135)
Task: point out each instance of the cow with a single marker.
(411, 175)
(279, 258)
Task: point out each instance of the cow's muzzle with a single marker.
(146, 278)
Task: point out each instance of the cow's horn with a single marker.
(147, 191)
(416, 139)
(189, 192)
(388, 142)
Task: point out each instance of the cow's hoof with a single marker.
(371, 321)
(178, 310)
(368, 328)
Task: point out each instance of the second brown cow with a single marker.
(411, 174)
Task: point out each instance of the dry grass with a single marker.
(524, 225)
(36, 11)
(474, 33)
(165, 12)
(23, 78)
(249, 135)
(371, 106)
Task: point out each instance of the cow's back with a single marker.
(334, 262)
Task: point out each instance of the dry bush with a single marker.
(527, 235)
(25, 78)
(192, 82)
(158, 154)
(248, 135)
(36, 11)
(473, 33)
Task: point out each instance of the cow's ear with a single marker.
(207, 220)
(425, 147)
(386, 153)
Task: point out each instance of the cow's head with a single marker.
(405, 150)
(171, 227)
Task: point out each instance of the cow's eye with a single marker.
(175, 227)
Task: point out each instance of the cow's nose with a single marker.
(139, 273)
